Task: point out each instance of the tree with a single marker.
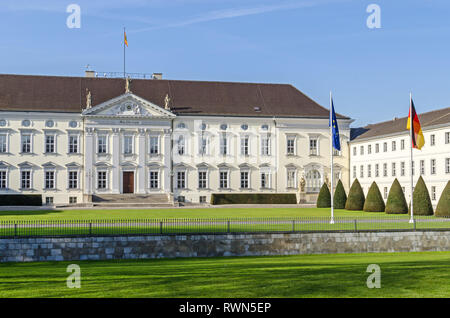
(422, 201)
(396, 202)
(324, 198)
(374, 201)
(443, 207)
(355, 200)
(340, 197)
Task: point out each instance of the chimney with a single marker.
(157, 76)
(88, 73)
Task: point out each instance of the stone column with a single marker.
(167, 155)
(89, 153)
(115, 152)
(142, 156)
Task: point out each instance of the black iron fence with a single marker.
(61, 228)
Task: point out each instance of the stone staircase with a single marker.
(132, 200)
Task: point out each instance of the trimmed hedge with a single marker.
(340, 197)
(374, 201)
(396, 202)
(253, 198)
(422, 201)
(324, 198)
(21, 199)
(443, 207)
(355, 200)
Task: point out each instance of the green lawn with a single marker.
(179, 213)
(402, 275)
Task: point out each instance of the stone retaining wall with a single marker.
(141, 247)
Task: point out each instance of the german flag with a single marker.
(416, 132)
(125, 38)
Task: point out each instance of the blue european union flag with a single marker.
(335, 129)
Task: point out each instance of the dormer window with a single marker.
(257, 109)
(244, 127)
(49, 123)
(223, 127)
(181, 126)
(26, 123)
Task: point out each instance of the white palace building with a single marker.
(81, 139)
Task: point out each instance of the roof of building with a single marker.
(397, 125)
(68, 94)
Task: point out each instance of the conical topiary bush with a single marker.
(443, 207)
(324, 198)
(340, 197)
(355, 200)
(422, 201)
(396, 202)
(374, 201)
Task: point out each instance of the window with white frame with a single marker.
(412, 167)
(402, 168)
(361, 150)
(447, 165)
(25, 140)
(3, 179)
(49, 181)
(313, 181)
(73, 179)
(50, 143)
(102, 179)
(369, 171)
(385, 148)
(154, 179)
(394, 145)
(102, 144)
(223, 179)
(3, 143)
(422, 167)
(245, 145)
(290, 145)
(354, 172)
(377, 148)
(265, 145)
(265, 179)
(393, 169)
(245, 180)
(291, 178)
(73, 143)
(354, 151)
(313, 147)
(377, 170)
(223, 144)
(181, 145)
(369, 149)
(128, 145)
(202, 179)
(433, 166)
(361, 171)
(447, 137)
(154, 145)
(385, 170)
(181, 179)
(25, 179)
(433, 193)
(385, 193)
(402, 144)
(432, 140)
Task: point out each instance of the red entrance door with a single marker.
(128, 182)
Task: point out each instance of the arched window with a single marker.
(313, 181)
(181, 146)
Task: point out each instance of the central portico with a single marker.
(128, 147)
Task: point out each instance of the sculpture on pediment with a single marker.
(167, 102)
(88, 99)
(127, 85)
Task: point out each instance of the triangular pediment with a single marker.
(128, 105)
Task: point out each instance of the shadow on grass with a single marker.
(30, 212)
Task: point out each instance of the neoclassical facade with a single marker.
(75, 138)
(381, 152)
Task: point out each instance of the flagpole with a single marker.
(124, 74)
(331, 154)
(411, 146)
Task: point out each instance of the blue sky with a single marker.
(317, 46)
